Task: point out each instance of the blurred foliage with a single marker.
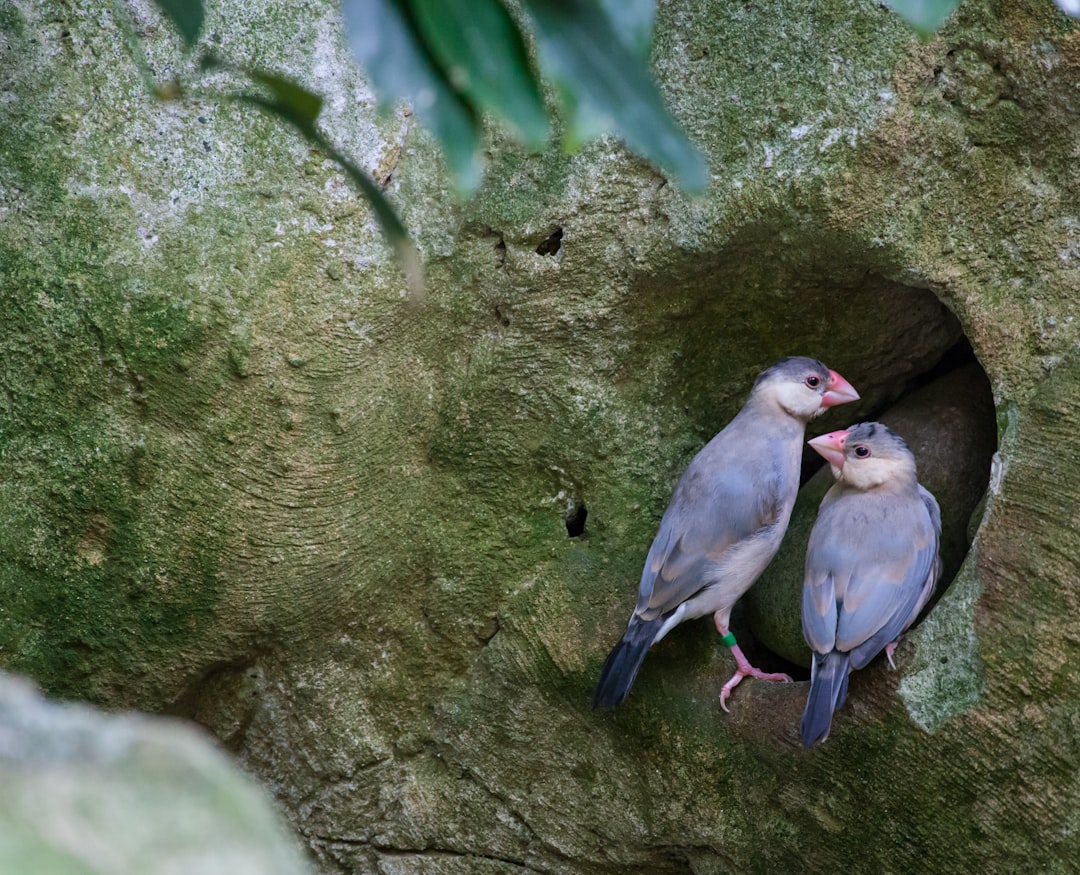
(924, 16)
(457, 62)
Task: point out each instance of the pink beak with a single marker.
(831, 447)
(838, 391)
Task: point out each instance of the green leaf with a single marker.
(924, 16)
(291, 101)
(632, 20)
(385, 214)
(605, 88)
(482, 52)
(384, 39)
(186, 16)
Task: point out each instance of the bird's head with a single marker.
(803, 387)
(867, 455)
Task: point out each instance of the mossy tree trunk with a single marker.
(246, 479)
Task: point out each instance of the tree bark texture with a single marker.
(246, 478)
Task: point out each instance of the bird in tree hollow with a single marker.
(725, 521)
(871, 565)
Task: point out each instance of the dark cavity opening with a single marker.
(575, 520)
(706, 332)
(551, 244)
(945, 412)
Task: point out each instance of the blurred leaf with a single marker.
(606, 89)
(384, 39)
(923, 16)
(387, 217)
(292, 102)
(187, 17)
(483, 54)
(632, 20)
(122, 16)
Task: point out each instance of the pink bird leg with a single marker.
(744, 668)
(890, 648)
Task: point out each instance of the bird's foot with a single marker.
(748, 671)
(890, 649)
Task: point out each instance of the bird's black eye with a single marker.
(813, 381)
(862, 452)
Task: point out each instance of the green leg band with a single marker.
(728, 639)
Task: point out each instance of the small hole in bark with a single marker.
(552, 244)
(575, 519)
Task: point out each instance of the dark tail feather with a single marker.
(621, 666)
(841, 696)
(828, 689)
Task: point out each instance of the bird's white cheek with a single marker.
(799, 401)
(866, 474)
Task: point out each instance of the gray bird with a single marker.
(871, 565)
(725, 521)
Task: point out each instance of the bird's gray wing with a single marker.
(828, 567)
(819, 610)
(932, 508)
(894, 569)
(708, 516)
(864, 584)
(935, 572)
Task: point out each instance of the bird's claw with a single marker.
(890, 648)
(725, 691)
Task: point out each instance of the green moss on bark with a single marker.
(243, 478)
